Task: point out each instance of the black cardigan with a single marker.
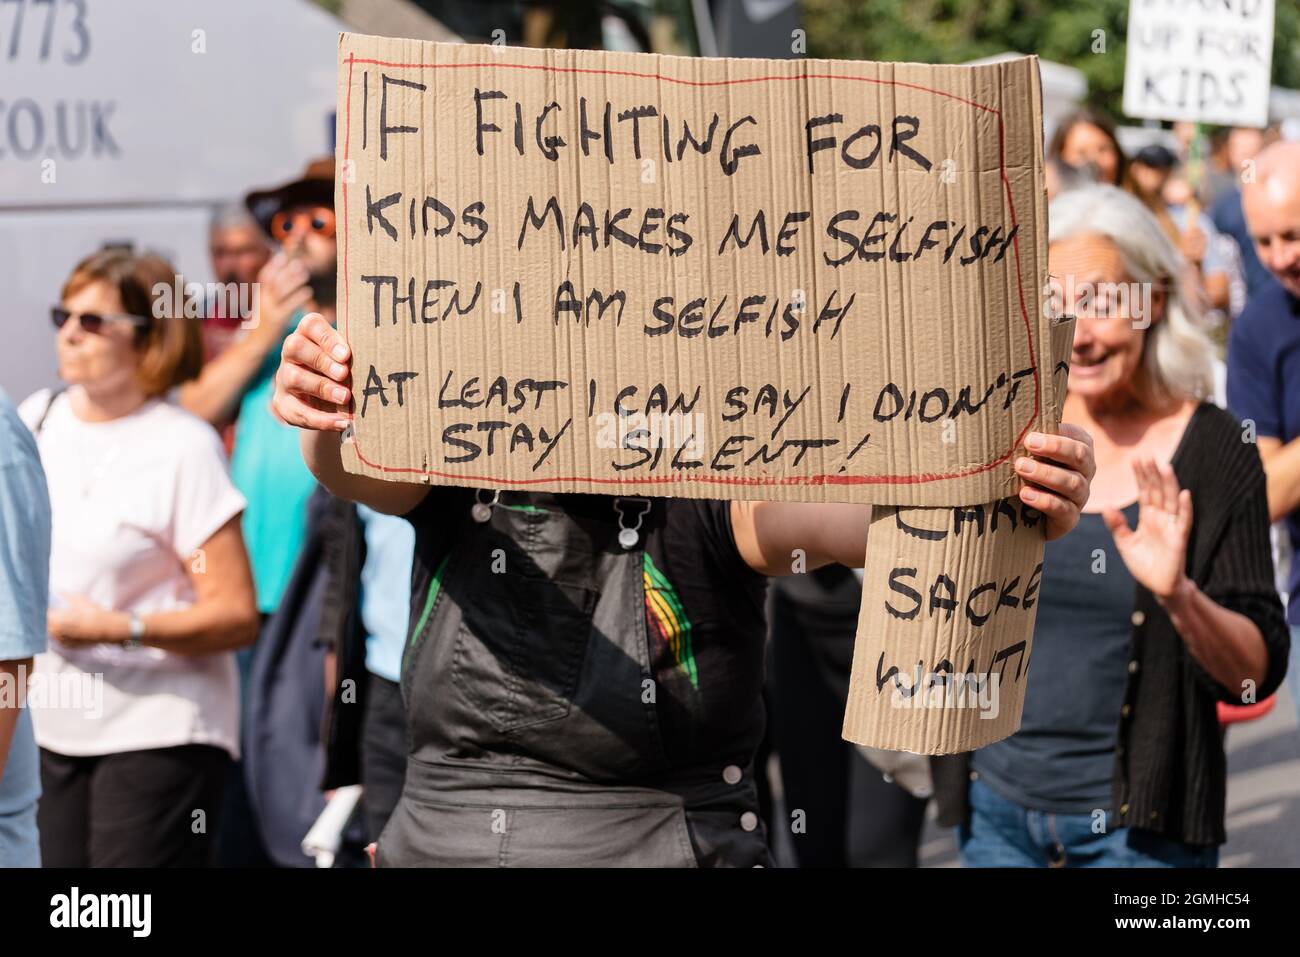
(1170, 769)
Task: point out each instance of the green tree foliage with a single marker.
(953, 31)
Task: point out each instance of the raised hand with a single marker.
(1156, 551)
(282, 290)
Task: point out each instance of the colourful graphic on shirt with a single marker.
(665, 616)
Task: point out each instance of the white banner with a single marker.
(1205, 61)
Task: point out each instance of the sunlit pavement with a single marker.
(1263, 797)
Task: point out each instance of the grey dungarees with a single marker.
(534, 734)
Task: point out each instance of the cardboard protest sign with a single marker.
(637, 274)
(946, 626)
(1199, 61)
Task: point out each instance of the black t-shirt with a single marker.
(819, 609)
(703, 607)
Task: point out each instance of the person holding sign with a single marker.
(583, 673)
(1160, 604)
(236, 385)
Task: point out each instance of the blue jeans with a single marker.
(1001, 833)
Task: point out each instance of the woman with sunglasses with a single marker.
(149, 583)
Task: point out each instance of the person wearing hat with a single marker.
(1151, 168)
(299, 278)
(266, 465)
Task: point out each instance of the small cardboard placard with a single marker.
(946, 626)
(638, 274)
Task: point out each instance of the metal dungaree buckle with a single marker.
(629, 535)
(481, 511)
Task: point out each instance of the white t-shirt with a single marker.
(133, 500)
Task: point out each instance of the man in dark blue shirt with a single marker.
(1229, 219)
(1264, 350)
(1242, 145)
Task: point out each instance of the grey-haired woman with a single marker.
(1158, 605)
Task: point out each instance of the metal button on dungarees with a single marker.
(731, 774)
(748, 821)
(1133, 667)
(1138, 618)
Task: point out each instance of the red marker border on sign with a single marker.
(498, 481)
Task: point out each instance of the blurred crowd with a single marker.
(234, 635)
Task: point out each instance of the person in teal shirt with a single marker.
(266, 464)
(268, 469)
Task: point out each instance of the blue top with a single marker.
(1264, 386)
(386, 590)
(267, 467)
(1228, 217)
(1063, 757)
(24, 598)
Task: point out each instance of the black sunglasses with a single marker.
(92, 321)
